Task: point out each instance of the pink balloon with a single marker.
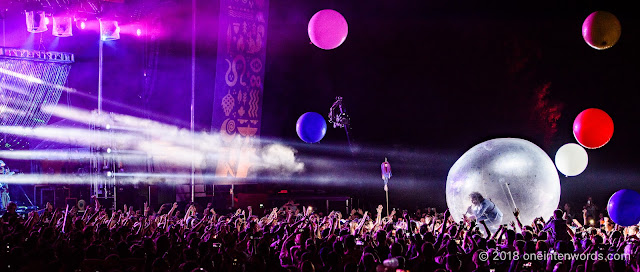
(328, 29)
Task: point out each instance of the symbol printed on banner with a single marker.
(227, 103)
(256, 81)
(253, 103)
(256, 65)
(241, 112)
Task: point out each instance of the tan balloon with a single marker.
(601, 30)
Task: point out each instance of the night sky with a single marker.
(423, 81)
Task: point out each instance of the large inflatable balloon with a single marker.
(624, 207)
(512, 173)
(601, 30)
(571, 159)
(311, 127)
(328, 29)
(593, 128)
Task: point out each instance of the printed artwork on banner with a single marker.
(238, 94)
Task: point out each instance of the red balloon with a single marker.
(593, 128)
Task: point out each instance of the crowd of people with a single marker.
(298, 238)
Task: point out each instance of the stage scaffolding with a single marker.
(29, 81)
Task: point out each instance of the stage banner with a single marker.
(237, 104)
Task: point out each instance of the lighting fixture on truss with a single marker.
(109, 30)
(36, 21)
(81, 23)
(62, 26)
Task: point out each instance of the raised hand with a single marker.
(516, 212)
(472, 224)
(175, 205)
(379, 209)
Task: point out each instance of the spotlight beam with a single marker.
(35, 80)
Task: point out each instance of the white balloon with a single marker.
(512, 173)
(571, 159)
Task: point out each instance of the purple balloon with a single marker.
(624, 207)
(311, 127)
(328, 29)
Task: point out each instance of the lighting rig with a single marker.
(60, 16)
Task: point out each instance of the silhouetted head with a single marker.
(558, 214)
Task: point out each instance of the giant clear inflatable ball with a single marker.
(511, 173)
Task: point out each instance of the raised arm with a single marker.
(443, 227)
(173, 209)
(361, 224)
(575, 221)
(145, 209)
(486, 228)
(516, 213)
(498, 232)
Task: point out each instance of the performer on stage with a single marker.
(4, 188)
(337, 115)
(483, 209)
(4, 196)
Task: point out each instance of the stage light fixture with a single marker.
(62, 27)
(139, 32)
(109, 30)
(36, 21)
(81, 23)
